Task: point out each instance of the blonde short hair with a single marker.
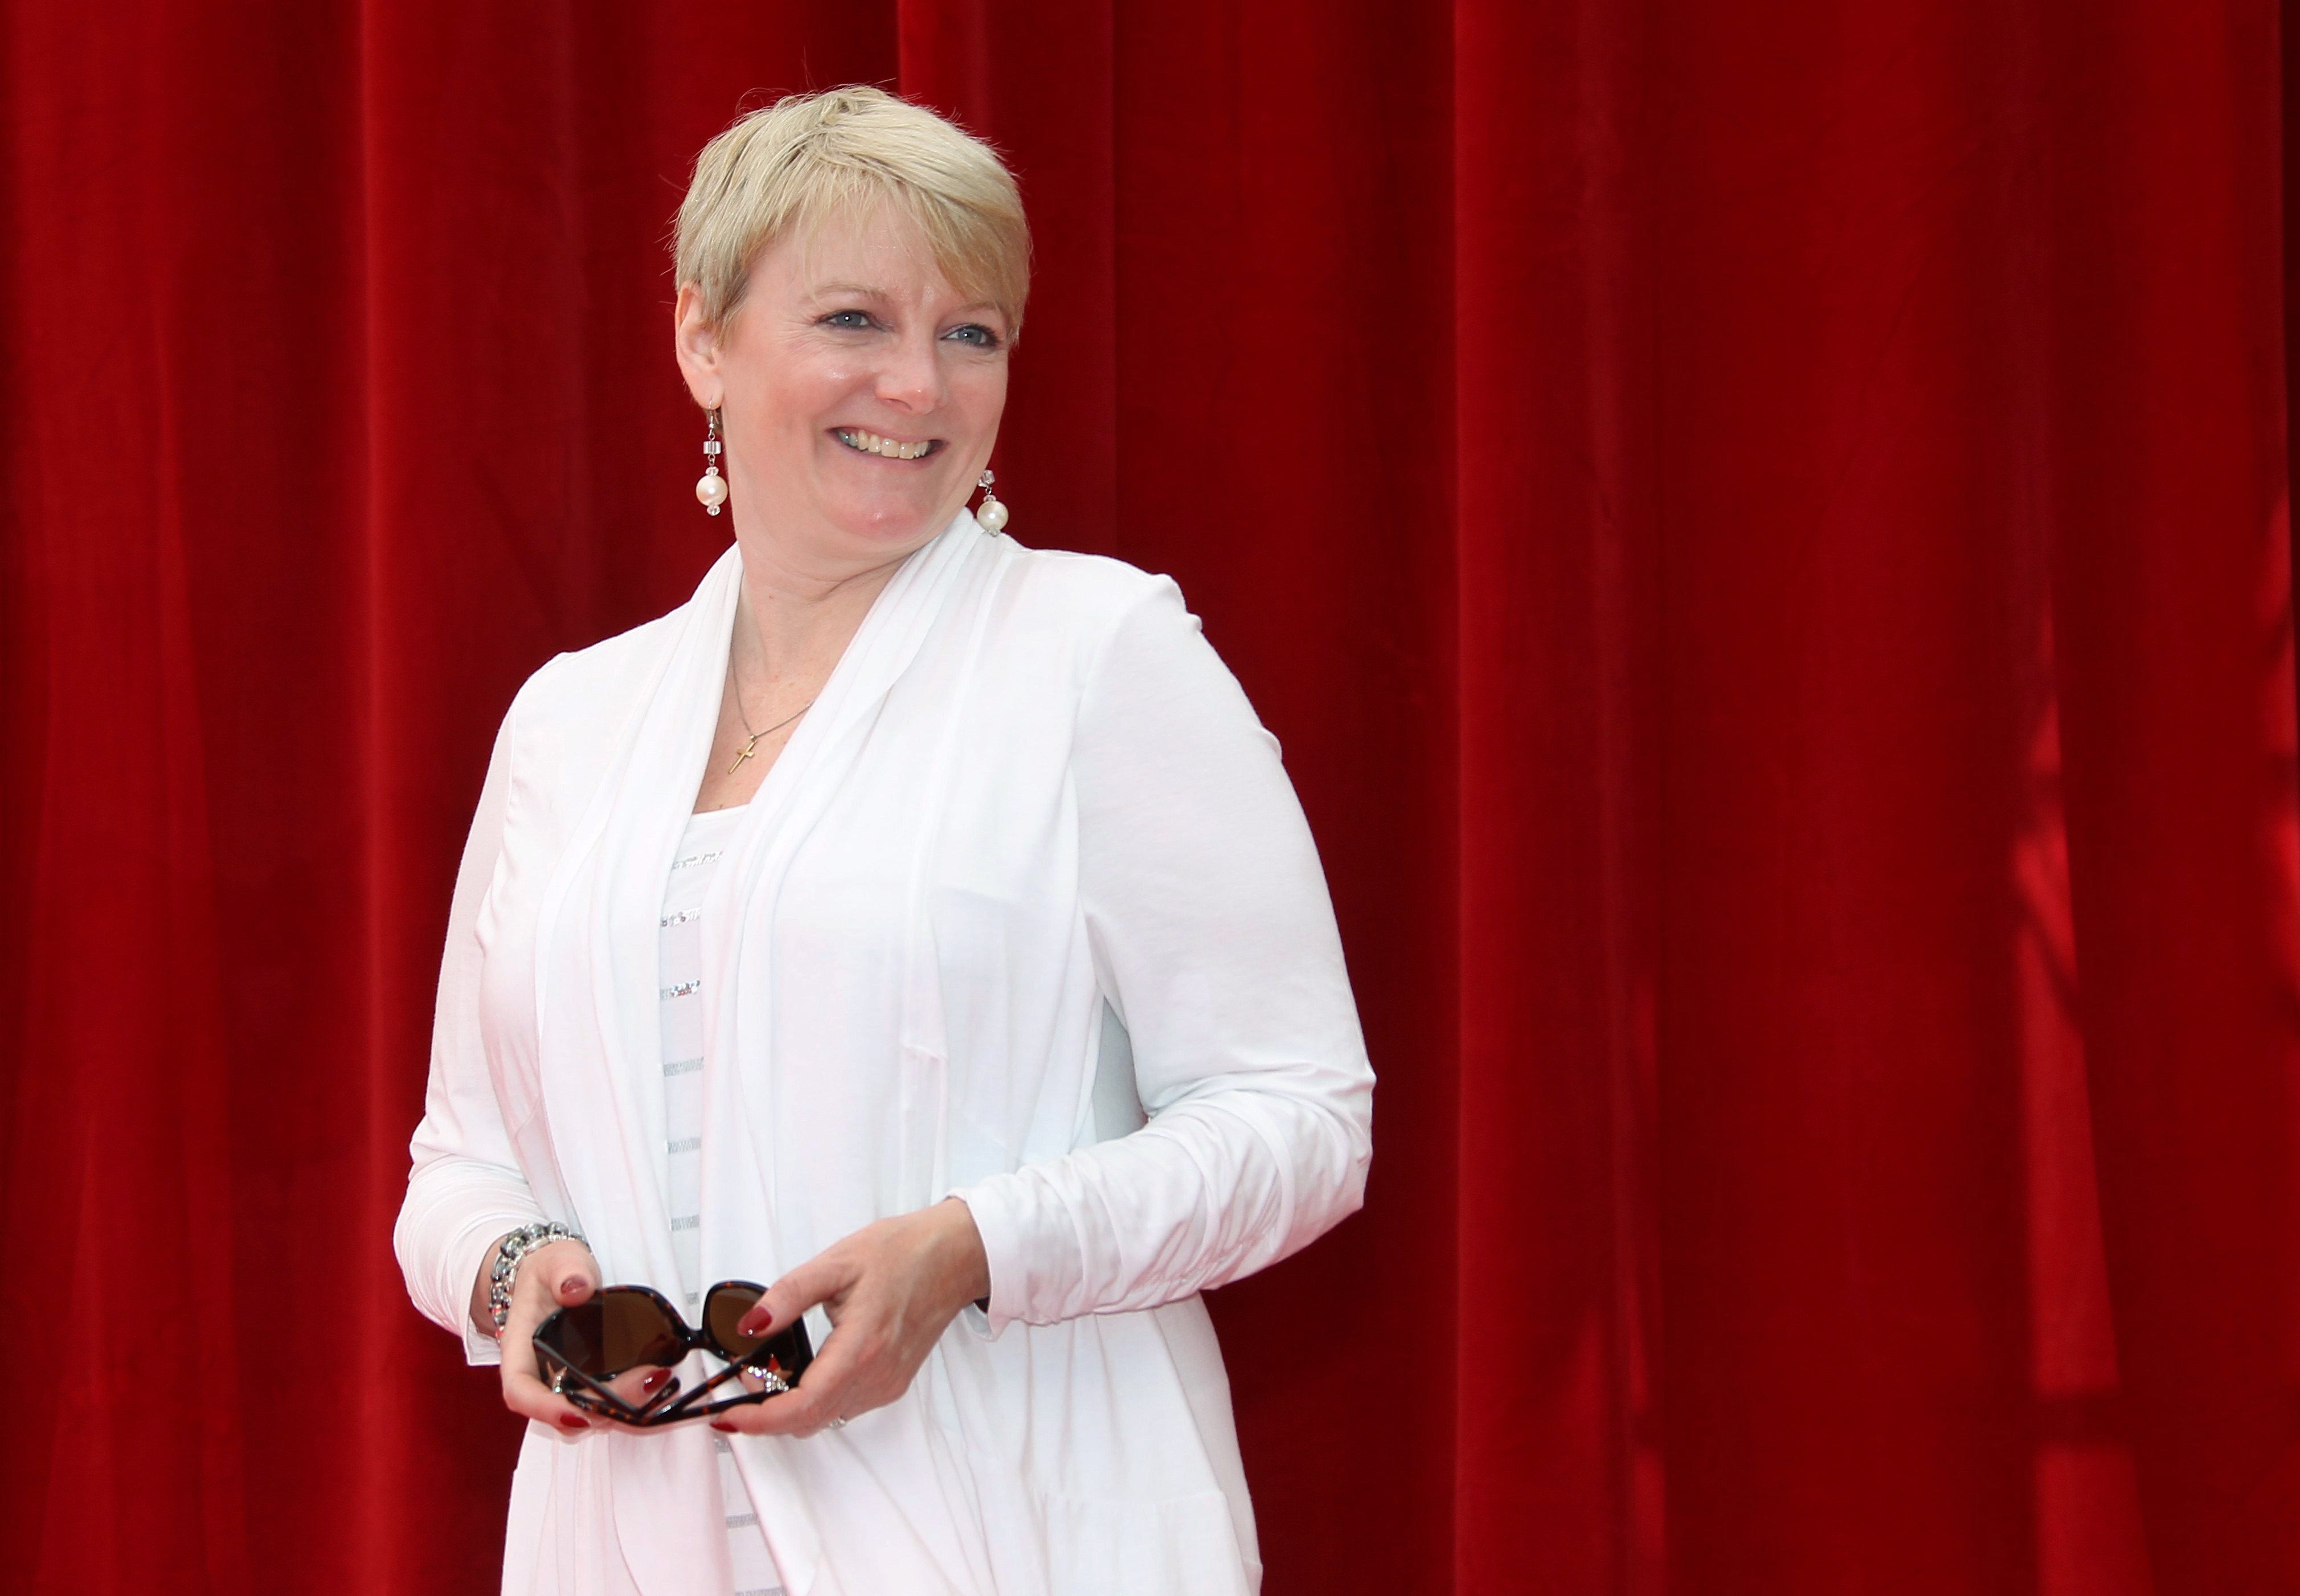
(783, 169)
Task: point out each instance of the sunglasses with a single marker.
(618, 1328)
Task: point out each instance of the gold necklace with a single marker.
(752, 746)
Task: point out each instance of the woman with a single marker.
(917, 921)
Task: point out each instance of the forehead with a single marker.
(869, 244)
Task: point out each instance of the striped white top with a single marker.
(681, 957)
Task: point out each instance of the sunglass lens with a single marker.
(724, 1309)
(578, 1335)
(616, 1330)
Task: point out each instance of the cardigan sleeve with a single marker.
(465, 1188)
(1214, 940)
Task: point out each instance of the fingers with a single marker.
(816, 1399)
(824, 1278)
(564, 1271)
(528, 1397)
(638, 1386)
(823, 1395)
(639, 1389)
(851, 1374)
(546, 1278)
(891, 1289)
(566, 1268)
(527, 1392)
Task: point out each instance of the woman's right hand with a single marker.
(556, 1275)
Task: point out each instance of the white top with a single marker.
(680, 1082)
(1030, 821)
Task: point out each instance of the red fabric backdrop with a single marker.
(1763, 530)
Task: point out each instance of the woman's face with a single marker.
(859, 392)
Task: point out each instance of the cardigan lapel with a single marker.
(596, 985)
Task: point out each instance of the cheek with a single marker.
(807, 404)
(801, 388)
(979, 395)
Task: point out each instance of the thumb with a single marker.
(577, 1280)
(817, 1280)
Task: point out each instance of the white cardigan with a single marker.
(1030, 825)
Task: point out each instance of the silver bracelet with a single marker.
(512, 1248)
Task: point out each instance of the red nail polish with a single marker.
(724, 1429)
(654, 1381)
(572, 1283)
(756, 1322)
(576, 1424)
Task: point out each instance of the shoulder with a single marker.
(559, 737)
(585, 688)
(1086, 600)
(1115, 640)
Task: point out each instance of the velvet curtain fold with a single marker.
(1764, 533)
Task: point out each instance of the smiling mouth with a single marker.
(870, 443)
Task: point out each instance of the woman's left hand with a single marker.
(891, 1290)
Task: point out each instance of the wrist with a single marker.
(481, 1280)
(502, 1273)
(968, 1261)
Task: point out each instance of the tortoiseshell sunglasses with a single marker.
(619, 1327)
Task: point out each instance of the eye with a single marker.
(976, 333)
(848, 318)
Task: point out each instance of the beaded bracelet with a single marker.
(512, 1248)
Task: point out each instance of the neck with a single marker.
(794, 618)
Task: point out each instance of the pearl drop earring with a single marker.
(992, 515)
(712, 489)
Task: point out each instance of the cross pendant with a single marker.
(748, 749)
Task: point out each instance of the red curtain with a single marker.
(1763, 530)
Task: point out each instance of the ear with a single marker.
(696, 345)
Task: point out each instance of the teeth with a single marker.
(870, 443)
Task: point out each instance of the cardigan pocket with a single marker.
(1127, 1547)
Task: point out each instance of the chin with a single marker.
(889, 527)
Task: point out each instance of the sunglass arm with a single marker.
(611, 1401)
(679, 1410)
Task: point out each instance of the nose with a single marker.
(912, 378)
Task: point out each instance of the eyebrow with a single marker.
(867, 291)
